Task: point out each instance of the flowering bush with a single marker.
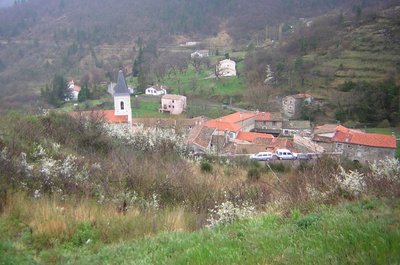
(227, 212)
(351, 181)
(150, 139)
(47, 173)
(388, 168)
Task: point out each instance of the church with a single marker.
(122, 112)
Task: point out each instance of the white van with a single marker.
(284, 154)
(262, 156)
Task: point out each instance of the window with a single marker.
(122, 105)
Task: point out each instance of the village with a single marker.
(247, 133)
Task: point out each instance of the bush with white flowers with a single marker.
(388, 168)
(351, 181)
(147, 139)
(227, 212)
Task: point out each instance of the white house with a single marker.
(73, 91)
(174, 104)
(200, 54)
(156, 90)
(226, 68)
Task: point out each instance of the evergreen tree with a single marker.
(57, 93)
(84, 94)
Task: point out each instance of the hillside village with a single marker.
(200, 132)
(250, 132)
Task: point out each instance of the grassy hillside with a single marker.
(365, 232)
(84, 41)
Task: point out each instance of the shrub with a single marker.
(253, 174)
(228, 212)
(347, 86)
(306, 221)
(278, 167)
(206, 166)
(351, 181)
(384, 124)
(84, 234)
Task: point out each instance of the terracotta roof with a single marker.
(105, 115)
(76, 88)
(223, 125)
(237, 117)
(173, 96)
(269, 116)
(367, 139)
(263, 116)
(251, 136)
(280, 143)
(193, 134)
(330, 128)
(204, 137)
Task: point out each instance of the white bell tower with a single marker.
(122, 98)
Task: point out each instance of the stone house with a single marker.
(199, 139)
(173, 104)
(226, 68)
(292, 127)
(323, 135)
(354, 144)
(268, 122)
(364, 147)
(292, 104)
(232, 124)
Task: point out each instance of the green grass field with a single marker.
(203, 84)
(143, 106)
(365, 232)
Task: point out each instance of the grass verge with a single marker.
(365, 232)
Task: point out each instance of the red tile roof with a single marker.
(223, 125)
(105, 115)
(229, 122)
(251, 136)
(367, 139)
(280, 143)
(76, 88)
(331, 128)
(263, 116)
(237, 117)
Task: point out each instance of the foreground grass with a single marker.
(366, 232)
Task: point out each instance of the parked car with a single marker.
(302, 156)
(284, 154)
(262, 156)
